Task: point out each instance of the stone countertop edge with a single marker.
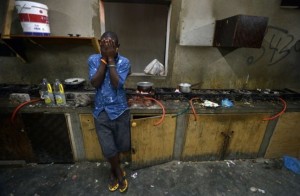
(239, 107)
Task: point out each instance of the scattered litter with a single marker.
(228, 162)
(152, 186)
(82, 100)
(96, 180)
(292, 164)
(134, 175)
(98, 164)
(227, 103)
(210, 104)
(70, 167)
(261, 191)
(273, 164)
(126, 163)
(178, 163)
(253, 189)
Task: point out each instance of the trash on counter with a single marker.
(82, 100)
(227, 103)
(210, 104)
(155, 68)
(17, 98)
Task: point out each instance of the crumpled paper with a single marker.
(82, 100)
(155, 68)
(210, 104)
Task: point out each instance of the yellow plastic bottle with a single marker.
(46, 92)
(59, 93)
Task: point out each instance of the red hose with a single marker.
(278, 114)
(193, 109)
(12, 119)
(163, 110)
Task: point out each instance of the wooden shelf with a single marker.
(167, 2)
(54, 39)
(16, 42)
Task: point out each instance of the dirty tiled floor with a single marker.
(240, 177)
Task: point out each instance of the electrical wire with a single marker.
(279, 113)
(182, 111)
(12, 119)
(163, 110)
(193, 109)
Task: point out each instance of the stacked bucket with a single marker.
(33, 17)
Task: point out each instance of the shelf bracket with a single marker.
(95, 43)
(8, 19)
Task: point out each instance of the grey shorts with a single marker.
(113, 135)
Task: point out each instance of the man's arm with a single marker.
(98, 78)
(114, 77)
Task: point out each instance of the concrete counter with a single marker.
(175, 131)
(171, 107)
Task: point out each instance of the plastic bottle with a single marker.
(46, 92)
(59, 93)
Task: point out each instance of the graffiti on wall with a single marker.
(279, 47)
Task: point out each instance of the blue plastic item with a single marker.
(227, 103)
(292, 164)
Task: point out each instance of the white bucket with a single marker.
(33, 17)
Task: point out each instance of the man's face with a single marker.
(108, 47)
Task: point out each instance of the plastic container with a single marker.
(59, 93)
(46, 92)
(33, 17)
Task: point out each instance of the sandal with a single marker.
(113, 184)
(123, 185)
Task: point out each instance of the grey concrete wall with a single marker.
(137, 23)
(275, 65)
